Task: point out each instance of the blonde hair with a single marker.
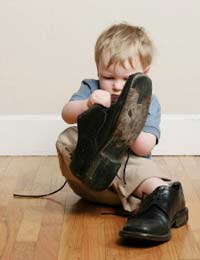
(122, 42)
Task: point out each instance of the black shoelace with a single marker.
(48, 194)
(124, 170)
(41, 195)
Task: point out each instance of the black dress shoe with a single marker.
(158, 213)
(104, 133)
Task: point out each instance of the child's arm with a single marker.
(150, 134)
(74, 108)
(143, 144)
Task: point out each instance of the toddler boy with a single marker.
(123, 55)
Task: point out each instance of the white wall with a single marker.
(47, 46)
(46, 49)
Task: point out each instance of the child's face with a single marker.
(113, 78)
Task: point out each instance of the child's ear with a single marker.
(146, 70)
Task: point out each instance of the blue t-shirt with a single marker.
(152, 124)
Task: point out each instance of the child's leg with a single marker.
(162, 207)
(148, 186)
(65, 146)
(140, 176)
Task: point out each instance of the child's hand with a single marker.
(101, 97)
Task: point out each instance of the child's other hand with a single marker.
(101, 97)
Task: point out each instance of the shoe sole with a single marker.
(132, 109)
(179, 220)
(144, 236)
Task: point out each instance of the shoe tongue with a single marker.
(159, 197)
(161, 190)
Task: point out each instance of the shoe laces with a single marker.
(124, 170)
(40, 195)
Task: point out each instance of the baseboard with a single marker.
(37, 134)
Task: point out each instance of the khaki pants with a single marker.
(138, 169)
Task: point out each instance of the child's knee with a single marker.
(67, 139)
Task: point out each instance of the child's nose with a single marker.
(117, 86)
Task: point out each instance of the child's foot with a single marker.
(104, 133)
(163, 209)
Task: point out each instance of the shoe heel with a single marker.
(181, 218)
(101, 173)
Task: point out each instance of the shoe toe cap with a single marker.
(150, 226)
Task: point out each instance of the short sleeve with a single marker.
(152, 124)
(85, 90)
(83, 93)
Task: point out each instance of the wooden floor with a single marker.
(63, 226)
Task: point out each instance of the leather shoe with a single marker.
(104, 133)
(163, 209)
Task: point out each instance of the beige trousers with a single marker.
(138, 169)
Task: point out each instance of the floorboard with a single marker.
(63, 226)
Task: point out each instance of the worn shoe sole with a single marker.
(179, 220)
(127, 119)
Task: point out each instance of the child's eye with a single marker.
(108, 78)
(125, 79)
